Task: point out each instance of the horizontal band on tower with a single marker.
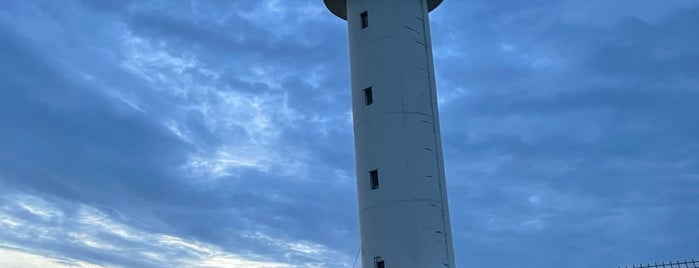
(339, 7)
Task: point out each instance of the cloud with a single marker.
(218, 134)
(156, 125)
(79, 232)
(591, 119)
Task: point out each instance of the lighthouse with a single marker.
(402, 195)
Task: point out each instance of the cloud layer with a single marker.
(218, 134)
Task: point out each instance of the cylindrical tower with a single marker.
(403, 212)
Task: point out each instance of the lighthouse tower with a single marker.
(403, 212)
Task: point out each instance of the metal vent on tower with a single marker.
(365, 19)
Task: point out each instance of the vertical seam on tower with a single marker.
(433, 91)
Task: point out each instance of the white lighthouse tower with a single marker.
(403, 212)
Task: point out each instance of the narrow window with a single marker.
(365, 19)
(379, 263)
(368, 96)
(374, 179)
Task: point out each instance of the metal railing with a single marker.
(676, 264)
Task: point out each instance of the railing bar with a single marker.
(670, 264)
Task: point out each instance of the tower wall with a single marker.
(405, 220)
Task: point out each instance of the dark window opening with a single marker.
(365, 19)
(374, 179)
(368, 96)
(379, 263)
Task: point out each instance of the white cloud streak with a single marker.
(93, 230)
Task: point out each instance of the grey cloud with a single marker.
(599, 135)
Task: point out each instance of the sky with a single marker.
(197, 133)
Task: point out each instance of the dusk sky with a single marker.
(195, 133)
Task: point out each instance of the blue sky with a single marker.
(218, 133)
